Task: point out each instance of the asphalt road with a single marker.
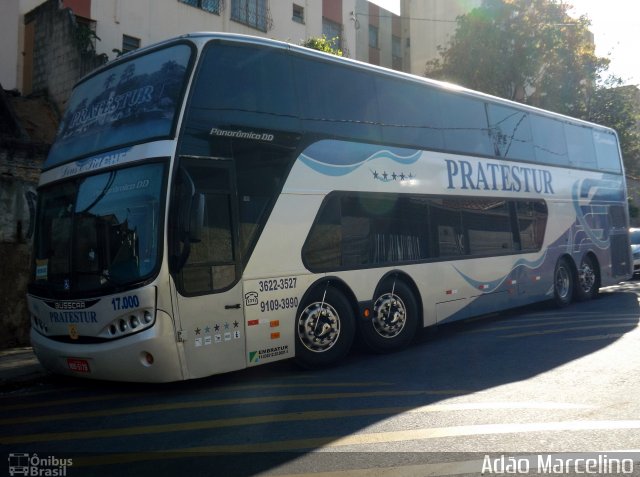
(518, 385)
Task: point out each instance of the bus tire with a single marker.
(325, 328)
(587, 283)
(563, 283)
(394, 318)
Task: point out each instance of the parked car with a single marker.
(634, 237)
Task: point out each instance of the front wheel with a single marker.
(563, 283)
(393, 320)
(325, 328)
(587, 279)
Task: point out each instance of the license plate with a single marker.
(78, 365)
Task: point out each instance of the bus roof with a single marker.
(203, 37)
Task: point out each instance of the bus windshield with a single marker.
(100, 232)
(131, 102)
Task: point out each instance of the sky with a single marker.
(615, 25)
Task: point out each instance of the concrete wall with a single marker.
(20, 164)
(59, 57)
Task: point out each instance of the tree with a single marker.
(530, 51)
(322, 43)
(533, 52)
(618, 107)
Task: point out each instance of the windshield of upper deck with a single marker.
(132, 102)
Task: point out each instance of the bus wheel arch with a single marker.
(395, 314)
(588, 277)
(564, 281)
(324, 324)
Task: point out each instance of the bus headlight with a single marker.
(125, 325)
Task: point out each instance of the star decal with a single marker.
(235, 324)
(216, 327)
(226, 326)
(207, 329)
(391, 176)
(197, 331)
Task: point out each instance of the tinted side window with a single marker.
(532, 221)
(323, 248)
(365, 229)
(359, 230)
(488, 226)
(409, 113)
(245, 78)
(607, 151)
(337, 100)
(464, 123)
(550, 145)
(446, 226)
(210, 260)
(580, 146)
(238, 87)
(511, 132)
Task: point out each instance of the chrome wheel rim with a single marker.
(389, 315)
(587, 277)
(562, 282)
(319, 327)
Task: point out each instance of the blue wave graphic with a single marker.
(601, 244)
(492, 286)
(338, 158)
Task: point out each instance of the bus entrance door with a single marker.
(209, 289)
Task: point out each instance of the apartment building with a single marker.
(363, 29)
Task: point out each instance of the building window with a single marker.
(298, 13)
(254, 13)
(333, 32)
(130, 43)
(211, 6)
(373, 36)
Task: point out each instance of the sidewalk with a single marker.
(19, 366)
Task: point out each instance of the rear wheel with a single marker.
(324, 328)
(563, 283)
(393, 320)
(587, 279)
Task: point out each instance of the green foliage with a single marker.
(618, 107)
(322, 43)
(85, 38)
(525, 50)
(533, 52)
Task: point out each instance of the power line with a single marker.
(435, 20)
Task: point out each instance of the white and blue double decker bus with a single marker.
(216, 202)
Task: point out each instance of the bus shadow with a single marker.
(451, 360)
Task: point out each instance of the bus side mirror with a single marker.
(196, 218)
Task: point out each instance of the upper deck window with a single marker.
(131, 102)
